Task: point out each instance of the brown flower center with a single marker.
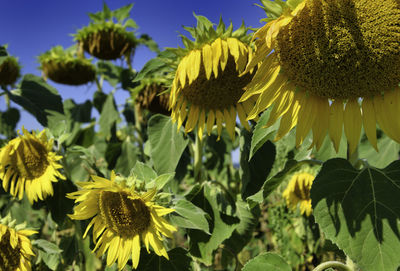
(30, 159)
(9, 257)
(126, 217)
(343, 48)
(217, 93)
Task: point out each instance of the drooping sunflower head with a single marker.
(326, 65)
(66, 66)
(106, 39)
(298, 192)
(120, 218)
(152, 92)
(28, 164)
(207, 84)
(9, 68)
(15, 246)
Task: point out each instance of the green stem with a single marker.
(333, 264)
(99, 83)
(198, 158)
(353, 158)
(7, 98)
(138, 129)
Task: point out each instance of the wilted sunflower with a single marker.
(120, 218)
(28, 164)
(298, 191)
(9, 67)
(207, 85)
(15, 247)
(329, 64)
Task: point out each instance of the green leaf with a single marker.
(8, 121)
(110, 72)
(160, 181)
(388, 152)
(213, 201)
(57, 123)
(58, 205)
(167, 144)
(36, 96)
(272, 183)
(127, 158)
(190, 216)
(130, 23)
(47, 246)
(359, 210)
(267, 261)
(254, 172)
(106, 12)
(249, 219)
(109, 115)
(143, 172)
(178, 261)
(122, 13)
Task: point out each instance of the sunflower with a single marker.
(15, 247)
(298, 191)
(207, 86)
(27, 163)
(325, 65)
(9, 68)
(67, 66)
(120, 218)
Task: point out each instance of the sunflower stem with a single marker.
(138, 129)
(333, 264)
(353, 158)
(198, 158)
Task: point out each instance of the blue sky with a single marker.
(33, 27)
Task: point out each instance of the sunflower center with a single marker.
(301, 190)
(343, 48)
(126, 217)
(9, 257)
(30, 159)
(217, 93)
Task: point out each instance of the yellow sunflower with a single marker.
(326, 65)
(120, 218)
(207, 86)
(298, 191)
(15, 247)
(28, 164)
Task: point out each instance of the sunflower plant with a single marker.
(64, 66)
(278, 149)
(108, 35)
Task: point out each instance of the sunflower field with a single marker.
(309, 104)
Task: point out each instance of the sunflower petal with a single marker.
(336, 122)
(352, 123)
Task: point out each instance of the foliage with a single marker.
(230, 214)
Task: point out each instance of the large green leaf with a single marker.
(262, 134)
(254, 171)
(178, 261)
(167, 144)
(272, 183)
(213, 200)
(267, 261)
(37, 97)
(8, 121)
(144, 172)
(187, 215)
(109, 115)
(359, 210)
(127, 159)
(388, 152)
(243, 233)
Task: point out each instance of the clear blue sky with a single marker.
(33, 27)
